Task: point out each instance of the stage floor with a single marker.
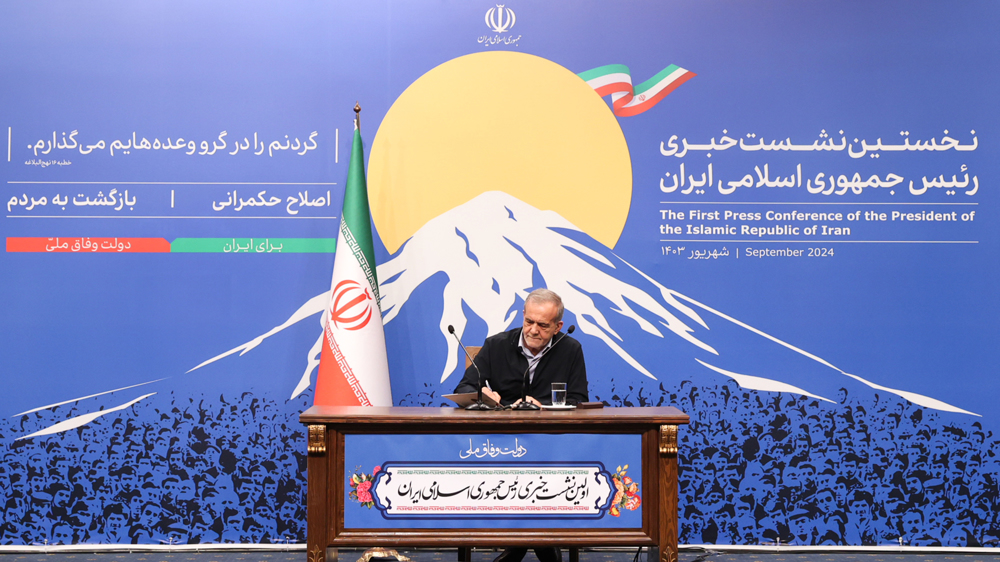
(488, 556)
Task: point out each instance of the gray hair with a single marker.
(546, 296)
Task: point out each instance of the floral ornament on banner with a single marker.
(362, 486)
(626, 492)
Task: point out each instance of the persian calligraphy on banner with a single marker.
(461, 480)
(503, 489)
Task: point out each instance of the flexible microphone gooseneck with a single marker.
(479, 405)
(524, 404)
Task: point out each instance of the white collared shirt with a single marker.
(532, 359)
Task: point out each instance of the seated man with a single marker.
(504, 359)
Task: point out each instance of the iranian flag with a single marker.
(353, 370)
(615, 80)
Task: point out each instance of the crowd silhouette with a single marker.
(755, 468)
(771, 468)
(224, 470)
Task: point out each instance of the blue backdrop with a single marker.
(841, 382)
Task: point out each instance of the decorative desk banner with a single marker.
(462, 480)
(492, 489)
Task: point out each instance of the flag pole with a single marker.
(353, 367)
(376, 552)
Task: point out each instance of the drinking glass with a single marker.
(558, 394)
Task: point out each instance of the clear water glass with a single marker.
(558, 394)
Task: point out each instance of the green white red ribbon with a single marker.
(616, 80)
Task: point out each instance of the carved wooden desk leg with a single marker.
(316, 504)
(668, 494)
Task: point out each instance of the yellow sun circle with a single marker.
(499, 121)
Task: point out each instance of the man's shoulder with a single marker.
(572, 342)
(510, 337)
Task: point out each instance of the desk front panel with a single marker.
(491, 480)
(346, 444)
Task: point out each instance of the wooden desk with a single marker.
(657, 428)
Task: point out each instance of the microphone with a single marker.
(479, 405)
(524, 404)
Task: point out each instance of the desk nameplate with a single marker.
(485, 480)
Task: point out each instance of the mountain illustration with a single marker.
(495, 249)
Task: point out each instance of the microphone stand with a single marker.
(524, 404)
(479, 404)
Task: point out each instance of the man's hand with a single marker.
(531, 400)
(487, 392)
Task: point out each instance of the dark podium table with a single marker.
(328, 426)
